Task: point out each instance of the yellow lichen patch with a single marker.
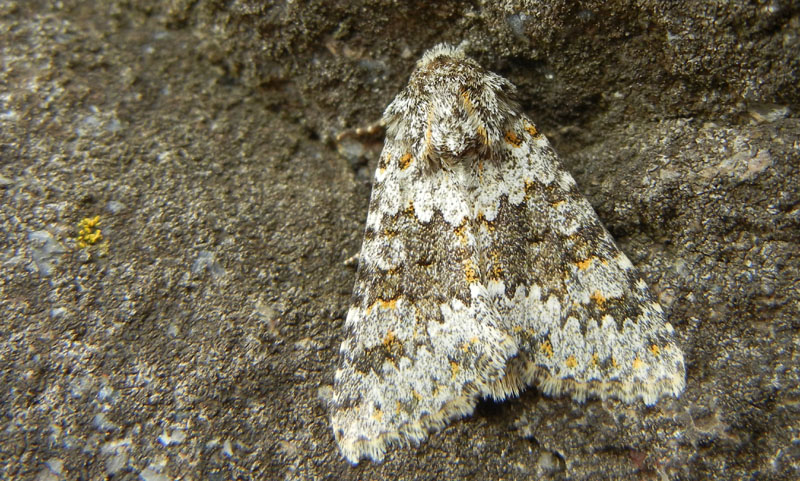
(389, 233)
(595, 360)
(637, 363)
(532, 130)
(377, 415)
(547, 348)
(416, 395)
(584, 264)
(571, 362)
(599, 299)
(90, 222)
(513, 139)
(558, 203)
(454, 368)
(470, 274)
(405, 161)
(614, 363)
(497, 266)
(655, 350)
(89, 233)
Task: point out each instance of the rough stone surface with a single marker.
(198, 338)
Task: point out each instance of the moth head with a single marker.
(452, 110)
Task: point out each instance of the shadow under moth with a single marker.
(483, 270)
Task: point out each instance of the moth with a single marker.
(483, 271)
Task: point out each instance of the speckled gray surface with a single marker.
(198, 338)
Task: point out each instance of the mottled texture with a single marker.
(484, 271)
(201, 344)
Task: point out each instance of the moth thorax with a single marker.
(453, 111)
(451, 138)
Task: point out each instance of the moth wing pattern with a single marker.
(483, 270)
(583, 320)
(423, 340)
